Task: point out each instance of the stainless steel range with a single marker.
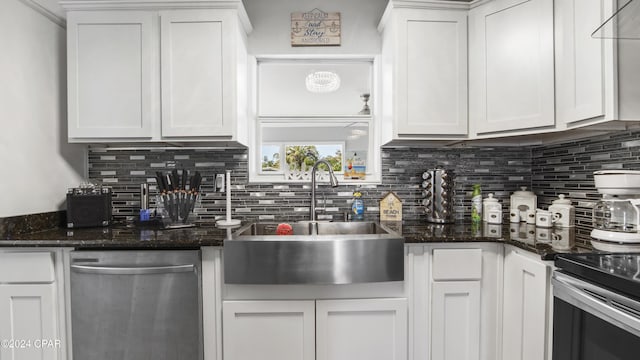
(596, 307)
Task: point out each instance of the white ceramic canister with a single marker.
(563, 212)
(492, 210)
(523, 200)
(514, 216)
(492, 230)
(544, 234)
(531, 217)
(544, 218)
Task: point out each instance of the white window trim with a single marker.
(374, 165)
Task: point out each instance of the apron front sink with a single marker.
(316, 253)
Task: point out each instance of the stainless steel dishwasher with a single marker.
(134, 305)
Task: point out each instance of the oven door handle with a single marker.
(606, 305)
(111, 270)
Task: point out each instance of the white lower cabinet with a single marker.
(455, 320)
(372, 329)
(268, 330)
(453, 292)
(307, 329)
(30, 324)
(527, 307)
(31, 315)
(212, 302)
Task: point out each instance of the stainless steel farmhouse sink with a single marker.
(315, 253)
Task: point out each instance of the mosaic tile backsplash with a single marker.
(568, 169)
(549, 170)
(499, 170)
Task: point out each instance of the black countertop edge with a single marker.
(122, 237)
(25, 224)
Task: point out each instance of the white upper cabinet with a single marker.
(584, 64)
(424, 73)
(596, 78)
(110, 74)
(192, 61)
(511, 66)
(160, 74)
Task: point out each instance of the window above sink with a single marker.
(316, 88)
(312, 108)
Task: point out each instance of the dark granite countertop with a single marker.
(120, 236)
(545, 242)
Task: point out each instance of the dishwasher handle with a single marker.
(117, 270)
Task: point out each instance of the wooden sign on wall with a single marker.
(391, 207)
(315, 28)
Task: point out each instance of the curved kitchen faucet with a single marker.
(332, 179)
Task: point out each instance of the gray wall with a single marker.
(37, 163)
(271, 22)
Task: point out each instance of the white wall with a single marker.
(36, 163)
(271, 20)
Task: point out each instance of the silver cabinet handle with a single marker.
(111, 270)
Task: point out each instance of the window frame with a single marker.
(255, 123)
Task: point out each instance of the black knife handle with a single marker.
(160, 181)
(197, 181)
(169, 181)
(185, 176)
(175, 179)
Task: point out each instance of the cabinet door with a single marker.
(524, 308)
(268, 330)
(585, 65)
(196, 71)
(455, 320)
(372, 329)
(109, 58)
(431, 96)
(29, 317)
(511, 65)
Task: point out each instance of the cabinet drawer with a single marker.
(457, 264)
(26, 267)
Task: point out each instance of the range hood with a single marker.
(624, 24)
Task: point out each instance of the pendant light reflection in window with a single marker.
(322, 82)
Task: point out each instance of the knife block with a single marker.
(162, 214)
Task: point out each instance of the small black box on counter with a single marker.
(88, 207)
